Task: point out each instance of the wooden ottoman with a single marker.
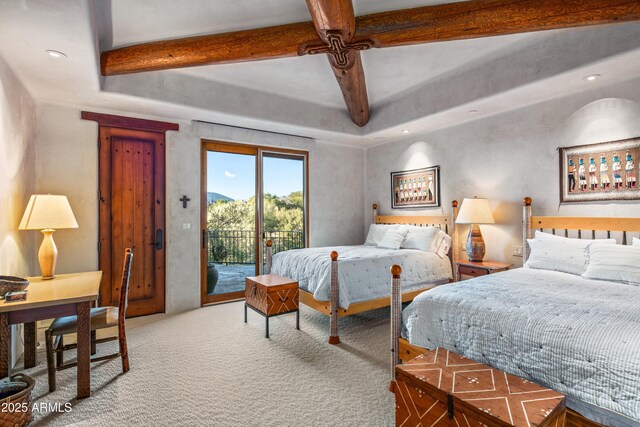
(271, 295)
(442, 388)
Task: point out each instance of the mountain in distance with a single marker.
(214, 197)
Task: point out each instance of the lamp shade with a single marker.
(48, 212)
(475, 211)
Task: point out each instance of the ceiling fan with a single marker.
(338, 33)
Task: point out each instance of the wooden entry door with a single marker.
(132, 214)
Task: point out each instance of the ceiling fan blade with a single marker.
(484, 18)
(240, 46)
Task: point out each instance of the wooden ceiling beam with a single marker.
(484, 18)
(354, 90)
(335, 23)
(335, 31)
(453, 21)
(239, 46)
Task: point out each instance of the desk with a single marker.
(66, 295)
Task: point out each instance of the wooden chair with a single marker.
(101, 317)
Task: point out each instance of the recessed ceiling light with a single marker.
(592, 77)
(55, 54)
(473, 111)
(405, 131)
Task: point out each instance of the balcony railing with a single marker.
(238, 246)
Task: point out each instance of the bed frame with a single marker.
(330, 308)
(402, 350)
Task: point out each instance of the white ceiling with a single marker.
(137, 21)
(418, 87)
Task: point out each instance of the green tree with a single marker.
(280, 213)
(231, 215)
(233, 222)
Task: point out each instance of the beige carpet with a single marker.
(207, 367)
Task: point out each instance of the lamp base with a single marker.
(48, 255)
(475, 244)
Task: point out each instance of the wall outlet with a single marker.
(186, 226)
(463, 246)
(517, 251)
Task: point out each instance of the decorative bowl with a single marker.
(12, 284)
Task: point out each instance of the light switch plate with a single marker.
(186, 226)
(517, 251)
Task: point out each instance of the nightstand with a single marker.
(482, 268)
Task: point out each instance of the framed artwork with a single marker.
(417, 188)
(604, 171)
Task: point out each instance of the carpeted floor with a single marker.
(207, 367)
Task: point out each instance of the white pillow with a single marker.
(376, 233)
(556, 253)
(636, 241)
(445, 244)
(422, 238)
(393, 238)
(617, 263)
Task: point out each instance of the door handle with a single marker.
(158, 242)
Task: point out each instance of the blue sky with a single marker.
(234, 175)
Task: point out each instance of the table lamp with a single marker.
(48, 213)
(475, 211)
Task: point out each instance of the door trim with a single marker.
(249, 149)
(132, 123)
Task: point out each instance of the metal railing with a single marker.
(238, 246)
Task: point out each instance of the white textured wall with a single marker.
(335, 196)
(68, 164)
(508, 156)
(17, 163)
(67, 149)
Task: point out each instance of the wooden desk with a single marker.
(66, 295)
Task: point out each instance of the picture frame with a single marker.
(416, 188)
(604, 171)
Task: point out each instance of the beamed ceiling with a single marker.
(330, 69)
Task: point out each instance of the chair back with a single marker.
(124, 285)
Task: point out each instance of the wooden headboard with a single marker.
(444, 222)
(581, 224)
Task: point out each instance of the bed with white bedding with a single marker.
(363, 271)
(578, 336)
(345, 280)
(570, 319)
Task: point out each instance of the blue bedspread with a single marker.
(580, 337)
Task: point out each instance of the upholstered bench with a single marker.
(442, 388)
(271, 295)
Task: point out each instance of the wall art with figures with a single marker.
(418, 188)
(603, 171)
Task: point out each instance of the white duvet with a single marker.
(363, 271)
(578, 336)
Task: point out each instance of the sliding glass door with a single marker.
(283, 201)
(250, 194)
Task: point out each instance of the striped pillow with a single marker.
(556, 253)
(393, 238)
(616, 263)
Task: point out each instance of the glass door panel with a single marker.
(283, 201)
(250, 194)
(230, 223)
